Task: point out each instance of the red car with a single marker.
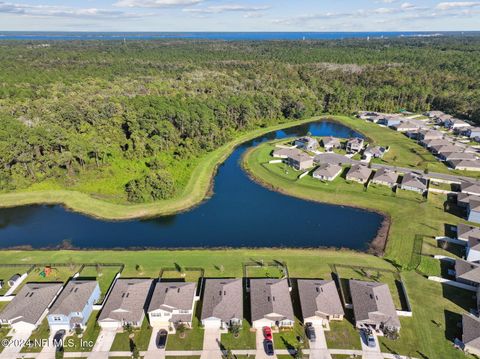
(267, 333)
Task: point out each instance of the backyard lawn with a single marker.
(103, 274)
(7, 272)
(245, 339)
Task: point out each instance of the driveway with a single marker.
(48, 351)
(370, 353)
(211, 344)
(153, 352)
(260, 353)
(318, 348)
(103, 344)
(12, 350)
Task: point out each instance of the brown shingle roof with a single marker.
(319, 298)
(169, 296)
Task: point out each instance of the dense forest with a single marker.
(129, 121)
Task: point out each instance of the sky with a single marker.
(239, 15)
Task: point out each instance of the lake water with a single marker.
(227, 36)
(240, 214)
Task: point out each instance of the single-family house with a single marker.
(14, 279)
(74, 305)
(354, 145)
(374, 152)
(434, 143)
(463, 199)
(359, 173)
(327, 171)
(470, 188)
(307, 143)
(28, 308)
(172, 303)
(406, 126)
(390, 120)
(465, 165)
(441, 119)
(126, 304)
(428, 135)
(319, 301)
(473, 249)
(222, 303)
(471, 132)
(471, 334)
(455, 156)
(438, 150)
(455, 123)
(300, 161)
(285, 152)
(413, 182)
(464, 232)
(385, 177)
(373, 306)
(433, 114)
(467, 272)
(473, 211)
(270, 303)
(330, 143)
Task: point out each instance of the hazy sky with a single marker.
(239, 15)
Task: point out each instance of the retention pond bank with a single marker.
(240, 213)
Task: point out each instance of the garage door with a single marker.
(212, 323)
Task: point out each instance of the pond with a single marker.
(240, 213)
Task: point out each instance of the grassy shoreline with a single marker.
(197, 190)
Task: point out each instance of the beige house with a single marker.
(385, 177)
(327, 172)
(359, 173)
(300, 161)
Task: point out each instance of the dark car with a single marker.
(371, 340)
(58, 340)
(310, 332)
(162, 339)
(268, 345)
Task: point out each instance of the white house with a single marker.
(172, 303)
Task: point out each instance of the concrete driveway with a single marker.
(153, 352)
(370, 353)
(48, 351)
(211, 344)
(103, 344)
(260, 353)
(318, 348)
(12, 350)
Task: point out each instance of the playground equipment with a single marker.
(46, 272)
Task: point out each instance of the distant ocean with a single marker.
(226, 36)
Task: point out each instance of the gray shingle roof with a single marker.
(30, 302)
(467, 271)
(465, 231)
(471, 331)
(127, 300)
(319, 298)
(330, 141)
(74, 297)
(385, 175)
(465, 163)
(169, 296)
(359, 172)
(412, 180)
(270, 298)
(327, 170)
(285, 152)
(223, 299)
(373, 302)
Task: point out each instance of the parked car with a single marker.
(267, 333)
(58, 340)
(371, 340)
(310, 332)
(268, 346)
(162, 339)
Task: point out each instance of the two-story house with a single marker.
(74, 305)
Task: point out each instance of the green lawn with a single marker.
(103, 274)
(3, 334)
(58, 274)
(343, 335)
(192, 340)
(89, 335)
(141, 338)
(42, 332)
(182, 274)
(7, 272)
(287, 339)
(245, 340)
(428, 221)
